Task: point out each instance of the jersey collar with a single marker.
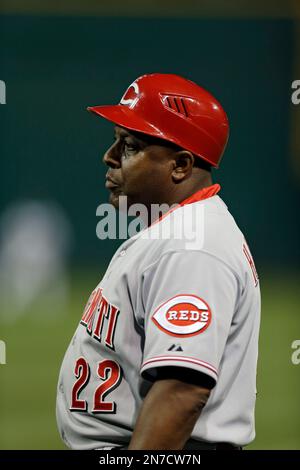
(200, 195)
(203, 193)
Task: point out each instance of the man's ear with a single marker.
(183, 165)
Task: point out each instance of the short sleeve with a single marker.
(189, 299)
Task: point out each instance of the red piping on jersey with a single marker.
(200, 195)
(181, 359)
(203, 193)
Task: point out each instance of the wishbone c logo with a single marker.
(131, 95)
(183, 315)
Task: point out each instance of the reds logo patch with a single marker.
(183, 315)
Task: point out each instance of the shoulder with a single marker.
(202, 228)
(205, 225)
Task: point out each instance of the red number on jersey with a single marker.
(110, 372)
(82, 373)
(249, 258)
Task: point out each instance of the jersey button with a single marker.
(61, 388)
(122, 253)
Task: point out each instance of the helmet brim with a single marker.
(125, 117)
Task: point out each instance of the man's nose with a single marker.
(111, 157)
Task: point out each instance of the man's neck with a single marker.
(183, 191)
(179, 194)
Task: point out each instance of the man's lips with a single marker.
(110, 183)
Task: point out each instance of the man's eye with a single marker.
(130, 147)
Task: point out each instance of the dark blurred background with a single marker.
(56, 58)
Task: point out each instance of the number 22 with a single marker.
(110, 372)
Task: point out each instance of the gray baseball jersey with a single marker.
(183, 292)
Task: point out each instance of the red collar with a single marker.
(200, 195)
(203, 193)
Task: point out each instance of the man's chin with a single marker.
(120, 201)
(114, 199)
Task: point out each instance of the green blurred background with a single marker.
(56, 59)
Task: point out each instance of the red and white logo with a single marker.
(183, 315)
(131, 96)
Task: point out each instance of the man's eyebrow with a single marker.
(120, 129)
(138, 138)
(122, 133)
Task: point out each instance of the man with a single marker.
(165, 354)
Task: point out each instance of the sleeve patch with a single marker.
(182, 316)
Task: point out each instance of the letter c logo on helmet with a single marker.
(175, 109)
(131, 95)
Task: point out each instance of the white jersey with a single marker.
(167, 302)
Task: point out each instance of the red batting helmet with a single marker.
(174, 109)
